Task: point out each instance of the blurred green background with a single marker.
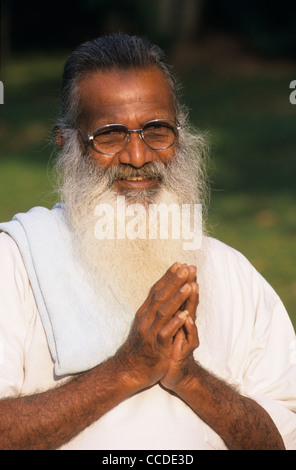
(236, 61)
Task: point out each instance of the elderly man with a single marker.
(134, 342)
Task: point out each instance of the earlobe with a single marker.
(59, 138)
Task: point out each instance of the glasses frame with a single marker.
(90, 137)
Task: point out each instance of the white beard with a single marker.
(124, 269)
(122, 272)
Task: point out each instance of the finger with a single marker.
(179, 278)
(191, 278)
(157, 286)
(173, 305)
(167, 333)
(192, 273)
(163, 280)
(193, 300)
(158, 297)
(191, 334)
(154, 307)
(166, 277)
(179, 340)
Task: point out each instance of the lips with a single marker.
(135, 178)
(137, 182)
(128, 177)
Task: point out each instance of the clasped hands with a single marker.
(163, 335)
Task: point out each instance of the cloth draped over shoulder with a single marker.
(76, 324)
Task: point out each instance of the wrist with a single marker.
(127, 374)
(187, 381)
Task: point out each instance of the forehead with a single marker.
(140, 94)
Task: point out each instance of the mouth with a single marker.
(137, 182)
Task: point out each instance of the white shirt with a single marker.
(246, 338)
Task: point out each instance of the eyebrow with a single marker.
(99, 122)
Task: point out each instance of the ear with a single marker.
(59, 138)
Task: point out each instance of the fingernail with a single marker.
(175, 267)
(184, 289)
(182, 272)
(183, 314)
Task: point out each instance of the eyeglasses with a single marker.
(110, 139)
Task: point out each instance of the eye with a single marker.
(159, 135)
(158, 130)
(110, 135)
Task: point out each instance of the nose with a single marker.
(136, 153)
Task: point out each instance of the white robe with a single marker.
(246, 338)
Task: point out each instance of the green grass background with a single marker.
(244, 108)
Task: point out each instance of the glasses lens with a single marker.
(111, 139)
(159, 135)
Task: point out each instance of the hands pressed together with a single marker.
(159, 349)
(163, 336)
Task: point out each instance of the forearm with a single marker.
(50, 419)
(240, 421)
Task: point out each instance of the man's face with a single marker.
(132, 98)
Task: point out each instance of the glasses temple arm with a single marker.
(89, 137)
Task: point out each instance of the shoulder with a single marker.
(17, 314)
(14, 280)
(220, 253)
(9, 253)
(233, 268)
(250, 300)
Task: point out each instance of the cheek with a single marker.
(104, 161)
(167, 155)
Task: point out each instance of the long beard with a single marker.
(123, 271)
(128, 267)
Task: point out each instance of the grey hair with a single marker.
(116, 51)
(121, 51)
